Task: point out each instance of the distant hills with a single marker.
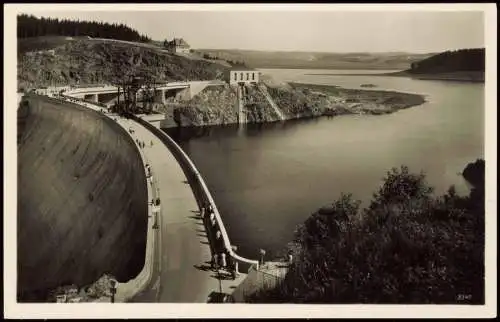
(318, 60)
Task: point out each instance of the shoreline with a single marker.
(332, 100)
(470, 77)
(362, 101)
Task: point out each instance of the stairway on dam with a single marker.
(240, 109)
(277, 110)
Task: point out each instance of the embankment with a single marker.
(82, 199)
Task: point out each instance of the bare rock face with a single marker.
(93, 61)
(82, 198)
(212, 106)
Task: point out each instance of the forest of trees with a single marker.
(407, 247)
(31, 26)
(451, 61)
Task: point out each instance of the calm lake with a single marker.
(268, 178)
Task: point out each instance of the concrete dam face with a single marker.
(82, 198)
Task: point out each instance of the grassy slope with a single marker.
(312, 60)
(82, 199)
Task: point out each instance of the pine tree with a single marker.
(31, 26)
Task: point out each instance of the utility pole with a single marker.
(262, 254)
(218, 275)
(113, 290)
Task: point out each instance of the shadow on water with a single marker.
(185, 134)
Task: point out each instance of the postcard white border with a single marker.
(129, 310)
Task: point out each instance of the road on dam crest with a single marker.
(181, 262)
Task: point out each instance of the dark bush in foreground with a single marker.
(407, 246)
(474, 173)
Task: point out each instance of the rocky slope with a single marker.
(218, 105)
(258, 109)
(213, 106)
(91, 61)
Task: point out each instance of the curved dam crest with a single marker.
(82, 198)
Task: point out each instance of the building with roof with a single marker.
(242, 75)
(177, 45)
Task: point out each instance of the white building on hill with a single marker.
(242, 75)
(177, 45)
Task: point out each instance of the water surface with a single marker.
(268, 178)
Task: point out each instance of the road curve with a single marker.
(180, 266)
(180, 272)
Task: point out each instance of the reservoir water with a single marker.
(268, 178)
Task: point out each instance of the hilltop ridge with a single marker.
(463, 64)
(318, 60)
(31, 26)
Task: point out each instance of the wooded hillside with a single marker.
(31, 26)
(451, 61)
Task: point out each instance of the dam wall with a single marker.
(82, 198)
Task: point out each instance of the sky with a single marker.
(317, 31)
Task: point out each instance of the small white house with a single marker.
(242, 75)
(177, 45)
